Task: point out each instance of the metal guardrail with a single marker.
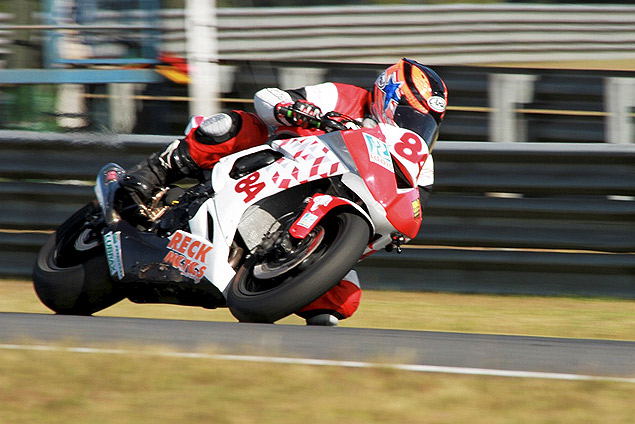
(592, 107)
(437, 34)
(504, 217)
(434, 34)
(566, 105)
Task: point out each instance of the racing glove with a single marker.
(302, 113)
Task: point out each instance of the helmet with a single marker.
(412, 96)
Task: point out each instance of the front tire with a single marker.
(267, 300)
(71, 275)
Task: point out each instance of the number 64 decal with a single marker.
(250, 186)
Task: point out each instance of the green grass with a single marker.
(71, 387)
(56, 387)
(523, 315)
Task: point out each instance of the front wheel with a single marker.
(71, 273)
(342, 240)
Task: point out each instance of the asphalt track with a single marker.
(415, 350)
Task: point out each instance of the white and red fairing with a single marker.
(373, 150)
(363, 158)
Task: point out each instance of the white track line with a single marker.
(324, 362)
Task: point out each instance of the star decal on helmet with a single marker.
(392, 90)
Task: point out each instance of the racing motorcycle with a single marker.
(271, 229)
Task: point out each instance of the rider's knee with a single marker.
(217, 128)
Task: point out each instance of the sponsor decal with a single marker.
(188, 254)
(378, 152)
(112, 244)
(307, 220)
(319, 201)
(416, 208)
(437, 103)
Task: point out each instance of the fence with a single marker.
(523, 218)
(565, 105)
(458, 34)
(494, 104)
(505, 217)
(485, 103)
(439, 34)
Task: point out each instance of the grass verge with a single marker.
(54, 387)
(523, 315)
(73, 387)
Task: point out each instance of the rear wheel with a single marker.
(71, 273)
(260, 293)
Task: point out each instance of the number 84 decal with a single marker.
(250, 186)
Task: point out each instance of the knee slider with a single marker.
(218, 128)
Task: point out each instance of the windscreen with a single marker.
(421, 123)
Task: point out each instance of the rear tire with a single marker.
(253, 300)
(76, 282)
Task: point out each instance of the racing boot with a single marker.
(176, 162)
(160, 170)
(327, 319)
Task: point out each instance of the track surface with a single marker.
(517, 353)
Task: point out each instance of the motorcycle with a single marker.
(272, 228)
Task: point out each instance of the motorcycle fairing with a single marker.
(152, 273)
(305, 160)
(319, 205)
(217, 270)
(376, 156)
(188, 253)
(138, 258)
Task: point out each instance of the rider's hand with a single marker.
(301, 113)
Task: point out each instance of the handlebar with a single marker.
(326, 122)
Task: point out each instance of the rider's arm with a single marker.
(323, 95)
(265, 102)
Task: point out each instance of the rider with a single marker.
(407, 94)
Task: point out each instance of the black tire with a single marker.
(70, 281)
(251, 300)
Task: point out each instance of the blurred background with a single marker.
(535, 167)
(549, 71)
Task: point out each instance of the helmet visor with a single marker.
(421, 123)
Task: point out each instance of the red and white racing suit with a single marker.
(249, 130)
